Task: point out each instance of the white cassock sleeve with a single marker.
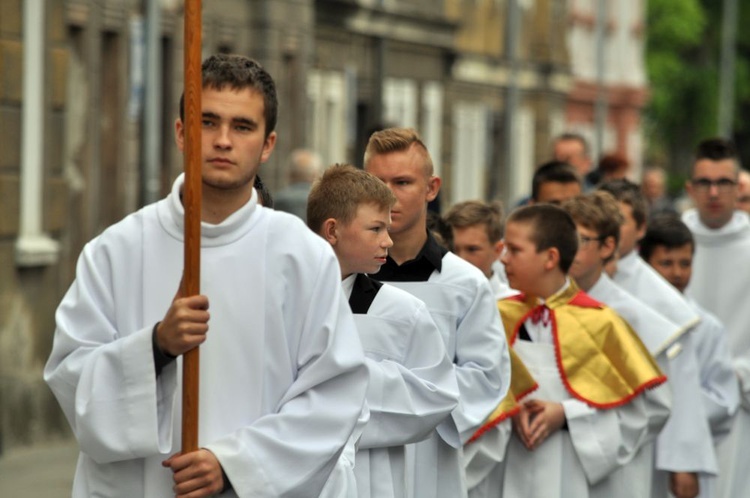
(718, 380)
(407, 399)
(604, 440)
(685, 444)
(482, 367)
(105, 381)
(291, 452)
(483, 456)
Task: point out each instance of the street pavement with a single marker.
(40, 471)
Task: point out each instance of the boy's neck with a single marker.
(586, 282)
(550, 285)
(407, 244)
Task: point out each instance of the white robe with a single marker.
(577, 462)
(719, 283)
(685, 443)
(461, 303)
(718, 382)
(412, 387)
(282, 371)
(481, 457)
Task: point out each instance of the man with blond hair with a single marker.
(459, 299)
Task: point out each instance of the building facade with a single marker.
(88, 137)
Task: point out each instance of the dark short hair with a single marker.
(553, 172)
(551, 226)
(668, 230)
(715, 149)
(239, 72)
(631, 194)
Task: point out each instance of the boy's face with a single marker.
(404, 173)
(362, 245)
(675, 265)
(589, 260)
(233, 141)
(630, 232)
(524, 265)
(472, 244)
(557, 192)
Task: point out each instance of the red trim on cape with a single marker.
(583, 300)
(494, 423)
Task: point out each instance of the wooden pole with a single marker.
(191, 199)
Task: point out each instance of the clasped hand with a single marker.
(537, 420)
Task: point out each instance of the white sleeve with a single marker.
(482, 456)
(719, 384)
(685, 444)
(407, 400)
(482, 367)
(604, 440)
(104, 379)
(292, 451)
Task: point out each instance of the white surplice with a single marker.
(637, 478)
(412, 387)
(282, 371)
(719, 283)
(573, 463)
(482, 457)
(718, 383)
(685, 444)
(461, 303)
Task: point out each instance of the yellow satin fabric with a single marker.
(600, 358)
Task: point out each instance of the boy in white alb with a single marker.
(412, 385)
(459, 299)
(476, 232)
(598, 220)
(589, 412)
(684, 449)
(668, 247)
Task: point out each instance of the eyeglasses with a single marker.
(585, 240)
(704, 184)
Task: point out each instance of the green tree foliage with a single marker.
(683, 57)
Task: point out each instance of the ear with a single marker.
(497, 250)
(641, 232)
(607, 248)
(329, 231)
(553, 259)
(433, 187)
(268, 145)
(179, 134)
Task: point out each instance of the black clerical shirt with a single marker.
(419, 269)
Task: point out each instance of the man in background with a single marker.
(305, 166)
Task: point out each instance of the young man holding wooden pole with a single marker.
(283, 379)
